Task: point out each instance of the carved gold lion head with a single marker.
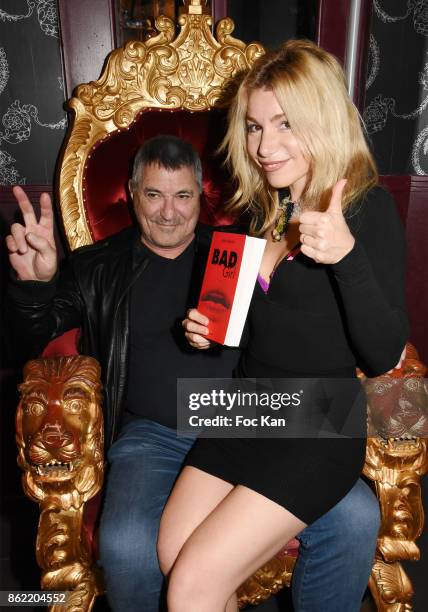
(60, 429)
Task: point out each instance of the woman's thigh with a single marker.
(193, 498)
(239, 535)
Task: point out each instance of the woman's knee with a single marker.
(166, 558)
(180, 590)
(189, 591)
(168, 547)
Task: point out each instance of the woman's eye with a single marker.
(252, 127)
(285, 124)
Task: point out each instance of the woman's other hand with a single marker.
(196, 327)
(325, 236)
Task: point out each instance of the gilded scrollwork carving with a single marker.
(267, 581)
(143, 74)
(168, 71)
(390, 587)
(395, 467)
(60, 444)
(75, 225)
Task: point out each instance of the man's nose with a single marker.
(167, 209)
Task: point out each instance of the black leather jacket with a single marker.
(91, 292)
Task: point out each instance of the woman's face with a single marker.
(272, 144)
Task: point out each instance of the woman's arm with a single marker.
(370, 279)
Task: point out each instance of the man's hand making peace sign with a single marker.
(32, 251)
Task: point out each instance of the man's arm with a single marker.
(31, 245)
(41, 303)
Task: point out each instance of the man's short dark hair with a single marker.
(167, 152)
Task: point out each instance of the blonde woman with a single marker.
(330, 297)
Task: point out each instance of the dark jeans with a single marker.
(336, 552)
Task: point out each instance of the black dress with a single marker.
(331, 319)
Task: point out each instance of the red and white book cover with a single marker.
(230, 275)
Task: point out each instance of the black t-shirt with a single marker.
(159, 351)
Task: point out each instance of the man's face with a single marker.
(166, 204)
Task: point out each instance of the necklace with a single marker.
(287, 209)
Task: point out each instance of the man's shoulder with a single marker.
(119, 243)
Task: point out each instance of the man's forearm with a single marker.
(35, 313)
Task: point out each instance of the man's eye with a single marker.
(183, 196)
(152, 194)
(252, 127)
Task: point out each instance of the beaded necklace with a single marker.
(287, 209)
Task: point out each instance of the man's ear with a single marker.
(130, 188)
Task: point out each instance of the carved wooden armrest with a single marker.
(59, 432)
(395, 467)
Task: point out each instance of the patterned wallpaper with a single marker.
(32, 118)
(396, 112)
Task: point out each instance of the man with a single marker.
(129, 294)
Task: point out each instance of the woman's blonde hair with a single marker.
(309, 85)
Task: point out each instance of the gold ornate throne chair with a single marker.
(173, 83)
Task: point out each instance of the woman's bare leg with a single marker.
(240, 532)
(193, 498)
(232, 604)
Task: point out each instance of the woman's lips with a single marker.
(217, 299)
(271, 167)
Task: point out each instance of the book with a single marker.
(228, 284)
